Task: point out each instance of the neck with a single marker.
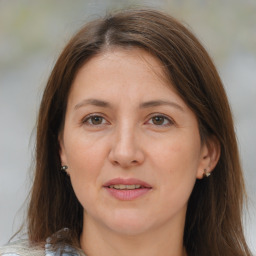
(97, 240)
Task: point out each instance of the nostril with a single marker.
(125, 164)
(116, 163)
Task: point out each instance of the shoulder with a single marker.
(21, 248)
(51, 247)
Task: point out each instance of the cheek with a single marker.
(177, 161)
(179, 154)
(85, 159)
(84, 173)
(83, 152)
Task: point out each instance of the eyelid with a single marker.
(87, 117)
(170, 120)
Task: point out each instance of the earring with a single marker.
(206, 173)
(64, 168)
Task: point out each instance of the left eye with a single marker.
(94, 120)
(160, 120)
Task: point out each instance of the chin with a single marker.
(131, 224)
(129, 229)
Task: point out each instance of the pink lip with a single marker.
(129, 194)
(130, 181)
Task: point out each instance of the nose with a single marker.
(126, 150)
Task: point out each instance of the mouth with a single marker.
(127, 189)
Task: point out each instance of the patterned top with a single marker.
(23, 248)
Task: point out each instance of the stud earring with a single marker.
(206, 173)
(64, 168)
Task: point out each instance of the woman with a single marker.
(136, 151)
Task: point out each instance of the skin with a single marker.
(156, 143)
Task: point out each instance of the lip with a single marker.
(128, 194)
(130, 181)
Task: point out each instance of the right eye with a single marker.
(94, 120)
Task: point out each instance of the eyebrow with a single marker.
(148, 104)
(155, 103)
(94, 102)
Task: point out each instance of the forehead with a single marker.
(117, 67)
(128, 58)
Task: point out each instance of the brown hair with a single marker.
(213, 222)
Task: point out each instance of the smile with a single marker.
(125, 187)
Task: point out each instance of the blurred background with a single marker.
(33, 33)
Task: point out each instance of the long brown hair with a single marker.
(213, 222)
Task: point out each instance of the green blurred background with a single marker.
(33, 33)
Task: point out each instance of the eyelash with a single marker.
(88, 120)
(165, 119)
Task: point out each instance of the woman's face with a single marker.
(131, 144)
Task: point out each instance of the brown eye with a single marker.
(96, 120)
(158, 120)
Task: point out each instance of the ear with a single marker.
(210, 154)
(62, 154)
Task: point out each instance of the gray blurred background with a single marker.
(32, 34)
